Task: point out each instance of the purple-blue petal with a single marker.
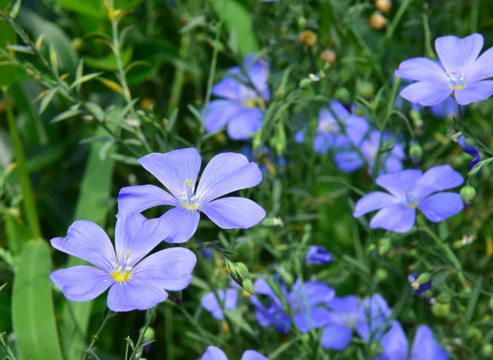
(310, 318)
(174, 168)
(425, 347)
(253, 355)
(373, 320)
(482, 68)
(219, 113)
(399, 183)
(258, 72)
(210, 303)
(426, 93)
(134, 294)
(245, 123)
(437, 178)
(181, 224)
(318, 255)
(86, 240)
(439, 207)
(373, 201)
(456, 53)
(470, 150)
(348, 161)
(323, 142)
(478, 91)
(82, 283)
(394, 344)
(336, 337)
(396, 218)
(138, 198)
(421, 69)
(234, 212)
(213, 353)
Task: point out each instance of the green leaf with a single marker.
(92, 8)
(108, 62)
(32, 305)
(47, 99)
(66, 114)
(7, 70)
(239, 22)
(84, 78)
(17, 233)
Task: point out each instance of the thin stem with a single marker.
(150, 316)
(95, 338)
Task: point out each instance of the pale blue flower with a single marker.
(214, 353)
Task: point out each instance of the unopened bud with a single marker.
(365, 89)
(342, 95)
(423, 278)
(301, 22)
(382, 274)
(487, 350)
(243, 269)
(308, 38)
(444, 298)
(328, 56)
(383, 5)
(305, 84)
(440, 310)
(377, 21)
(467, 194)
(474, 333)
(248, 286)
(415, 153)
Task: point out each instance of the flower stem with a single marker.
(150, 316)
(95, 338)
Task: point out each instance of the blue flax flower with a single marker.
(470, 150)
(228, 298)
(305, 302)
(374, 318)
(460, 71)
(318, 255)
(390, 160)
(345, 314)
(419, 288)
(135, 283)
(244, 97)
(411, 190)
(178, 170)
(396, 347)
(214, 353)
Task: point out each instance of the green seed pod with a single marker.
(475, 334)
(301, 22)
(423, 278)
(305, 84)
(487, 350)
(444, 298)
(415, 153)
(365, 89)
(440, 310)
(467, 194)
(382, 274)
(342, 95)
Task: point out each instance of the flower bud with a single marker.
(301, 22)
(487, 350)
(328, 56)
(467, 194)
(242, 269)
(365, 89)
(377, 21)
(440, 310)
(474, 333)
(248, 286)
(383, 5)
(305, 84)
(308, 38)
(423, 278)
(342, 95)
(444, 298)
(382, 274)
(415, 153)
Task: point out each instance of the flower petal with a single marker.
(213, 353)
(210, 303)
(169, 269)
(439, 207)
(258, 72)
(135, 236)
(482, 68)
(181, 224)
(231, 299)
(244, 123)
(437, 178)
(478, 91)
(456, 53)
(346, 304)
(394, 344)
(219, 113)
(426, 93)
(142, 197)
(323, 142)
(373, 201)
(82, 283)
(87, 241)
(396, 218)
(348, 161)
(421, 69)
(336, 337)
(232, 88)
(399, 183)
(234, 212)
(174, 168)
(134, 294)
(356, 129)
(316, 292)
(374, 314)
(310, 318)
(425, 347)
(225, 173)
(253, 355)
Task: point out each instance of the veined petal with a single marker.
(394, 343)
(346, 304)
(396, 218)
(336, 337)
(169, 269)
(174, 168)
(437, 178)
(439, 207)
(213, 353)
(82, 283)
(142, 197)
(230, 88)
(373, 201)
(421, 69)
(135, 236)
(317, 292)
(219, 113)
(477, 91)
(374, 314)
(253, 355)
(234, 212)
(399, 183)
(87, 241)
(225, 173)
(134, 295)
(244, 123)
(181, 224)
(258, 72)
(427, 93)
(425, 347)
(482, 68)
(456, 53)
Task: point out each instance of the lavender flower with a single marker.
(396, 347)
(228, 298)
(177, 170)
(375, 314)
(470, 150)
(135, 283)
(411, 190)
(344, 316)
(318, 255)
(214, 353)
(460, 71)
(241, 108)
(391, 160)
(305, 302)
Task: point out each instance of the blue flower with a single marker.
(135, 283)
(396, 347)
(241, 108)
(177, 170)
(411, 190)
(318, 255)
(214, 353)
(390, 161)
(470, 150)
(305, 302)
(345, 314)
(460, 71)
(228, 298)
(374, 318)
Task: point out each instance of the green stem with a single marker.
(150, 316)
(95, 338)
(27, 193)
(177, 87)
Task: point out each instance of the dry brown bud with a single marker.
(383, 5)
(377, 21)
(308, 38)
(328, 56)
